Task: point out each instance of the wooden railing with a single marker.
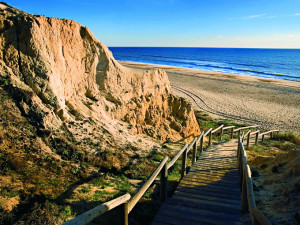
(243, 128)
(257, 134)
(248, 200)
(93, 213)
(271, 132)
(162, 169)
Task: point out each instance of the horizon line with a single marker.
(200, 47)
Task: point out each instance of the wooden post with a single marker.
(256, 138)
(123, 214)
(194, 153)
(201, 144)
(238, 150)
(271, 135)
(244, 200)
(240, 166)
(262, 137)
(221, 133)
(239, 133)
(183, 165)
(248, 140)
(164, 183)
(210, 136)
(241, 174)
(231, 136)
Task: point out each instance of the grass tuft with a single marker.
(292, 137)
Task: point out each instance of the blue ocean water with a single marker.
(283, 64)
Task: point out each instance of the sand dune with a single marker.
(272, 104)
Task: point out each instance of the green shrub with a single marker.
(85, 190)
(257, 149)
(292, 137)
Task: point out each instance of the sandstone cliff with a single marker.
(69, 112)
(65, 73)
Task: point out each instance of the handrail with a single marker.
(215, 130)
(144, 188)
(191, 144)
(248, 132)
(199, 137)
(93, 213)
(229, 127)
(269, 132)
(207, 132)
(254, 132)
(248, 199)
(172, 162)
(243, 128)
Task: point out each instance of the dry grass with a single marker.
(276, 173)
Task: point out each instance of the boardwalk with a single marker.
(209, 193)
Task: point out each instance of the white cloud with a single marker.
(297, 14)
(255, 16)
(220, 36)
(264, 15)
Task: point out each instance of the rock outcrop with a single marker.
(60, 73)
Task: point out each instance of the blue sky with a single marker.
(186, 23)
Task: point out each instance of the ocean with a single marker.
(282, 64)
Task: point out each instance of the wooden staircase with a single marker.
(217, 188)
(209, 193)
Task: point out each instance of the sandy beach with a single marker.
(272, 104)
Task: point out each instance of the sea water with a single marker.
(282, 64)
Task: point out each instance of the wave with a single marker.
(262, 63)
(218, 68)
(177, 59)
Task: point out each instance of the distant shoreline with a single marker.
(289, 83)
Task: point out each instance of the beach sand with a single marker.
(272, 104)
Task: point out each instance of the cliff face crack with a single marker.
(18, 49)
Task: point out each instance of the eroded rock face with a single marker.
(60, 73)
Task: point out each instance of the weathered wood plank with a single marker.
(224, 198)
(206, 182)
(214, 185)
(204, 204)
(220, 179)
(211, 192)
(176, 221)
(214, 157)
(159, 223)
(195, 218)
(214, 177)
(206, 213)
(216, 171)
